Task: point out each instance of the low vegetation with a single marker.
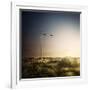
(50, 67)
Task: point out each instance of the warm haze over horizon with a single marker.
(50, 34)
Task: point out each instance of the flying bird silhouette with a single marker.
(44, 34)
(51, 35)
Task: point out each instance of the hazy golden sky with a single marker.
(64, 26)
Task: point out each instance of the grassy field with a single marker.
(50, 67)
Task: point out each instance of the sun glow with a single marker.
(65, 42)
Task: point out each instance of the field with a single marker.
(50, 67)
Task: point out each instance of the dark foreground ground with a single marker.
(50, 67)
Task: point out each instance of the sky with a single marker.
(50, 33)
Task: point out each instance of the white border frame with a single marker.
(15, 82)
